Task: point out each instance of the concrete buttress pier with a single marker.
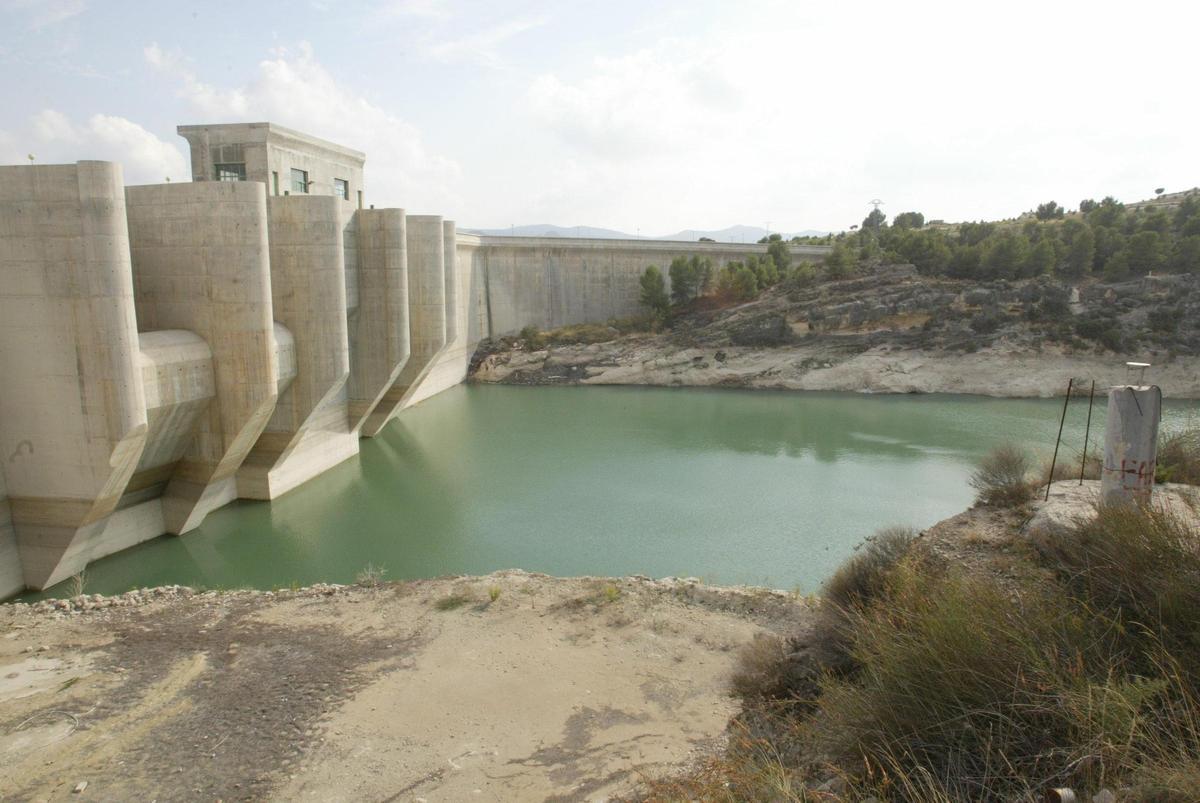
(72, 407)
(201, 263)
(309, 430)
(379, 337)
(427, 314)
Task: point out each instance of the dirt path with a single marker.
(564, 689)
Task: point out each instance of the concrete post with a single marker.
(1130, 444)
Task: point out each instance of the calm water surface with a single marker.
(762, 487)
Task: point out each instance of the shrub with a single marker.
(988, 321)
(855, 585)
(863, 577)
(1179, 457)
(1002, 478)
(451, 602)
(1067, 467)
(531, 336)
(493, 593)
(761, 671)
(370, 576)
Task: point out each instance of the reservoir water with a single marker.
(762, 487)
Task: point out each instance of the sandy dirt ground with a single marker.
(508, 687)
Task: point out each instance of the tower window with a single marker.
(341, 189)
(275, 182)
(232, 171)
(299, 180)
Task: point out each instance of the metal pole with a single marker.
(1061, 421)
(1086, 433)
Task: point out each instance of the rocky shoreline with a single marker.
(893, 331)
(882, 369)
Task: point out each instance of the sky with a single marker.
(647, 117)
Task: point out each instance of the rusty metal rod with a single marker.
(1061, 421)
(1087, 433)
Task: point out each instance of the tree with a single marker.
(737, 281)
(684, 280)
(707, 240)
(874, 221)
(780, 254)
(1145, 252)
(840, 261)
(1108, 212)
(690, 277)
(908, 220)
(927, 250)
(1081, 250)
(1042, 258)
(1186, 256)
(1004, 255)
(654, 291)
(1116, 268)
(764, 270)
(1049, 211)
(706, 276)
(1087, 205)
(745, 283)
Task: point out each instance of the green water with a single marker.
(763, 487)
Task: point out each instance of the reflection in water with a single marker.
(734, 486)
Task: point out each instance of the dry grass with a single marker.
(1179, 457)
(1067, 468)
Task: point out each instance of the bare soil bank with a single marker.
(568, 689)
(891, 332)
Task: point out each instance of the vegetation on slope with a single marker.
(1075, 663)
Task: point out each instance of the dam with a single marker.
(168, 349)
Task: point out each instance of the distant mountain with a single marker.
(550, 230)
(738, 234)
(733, 234)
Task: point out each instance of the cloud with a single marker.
(427, 9)
(481, 47)
(53, 137)
(45, 13)
(641, 105)
(800, 115)
(295, 90)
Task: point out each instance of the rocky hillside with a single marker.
(892, 330)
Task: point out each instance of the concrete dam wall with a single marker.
(167, 349)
